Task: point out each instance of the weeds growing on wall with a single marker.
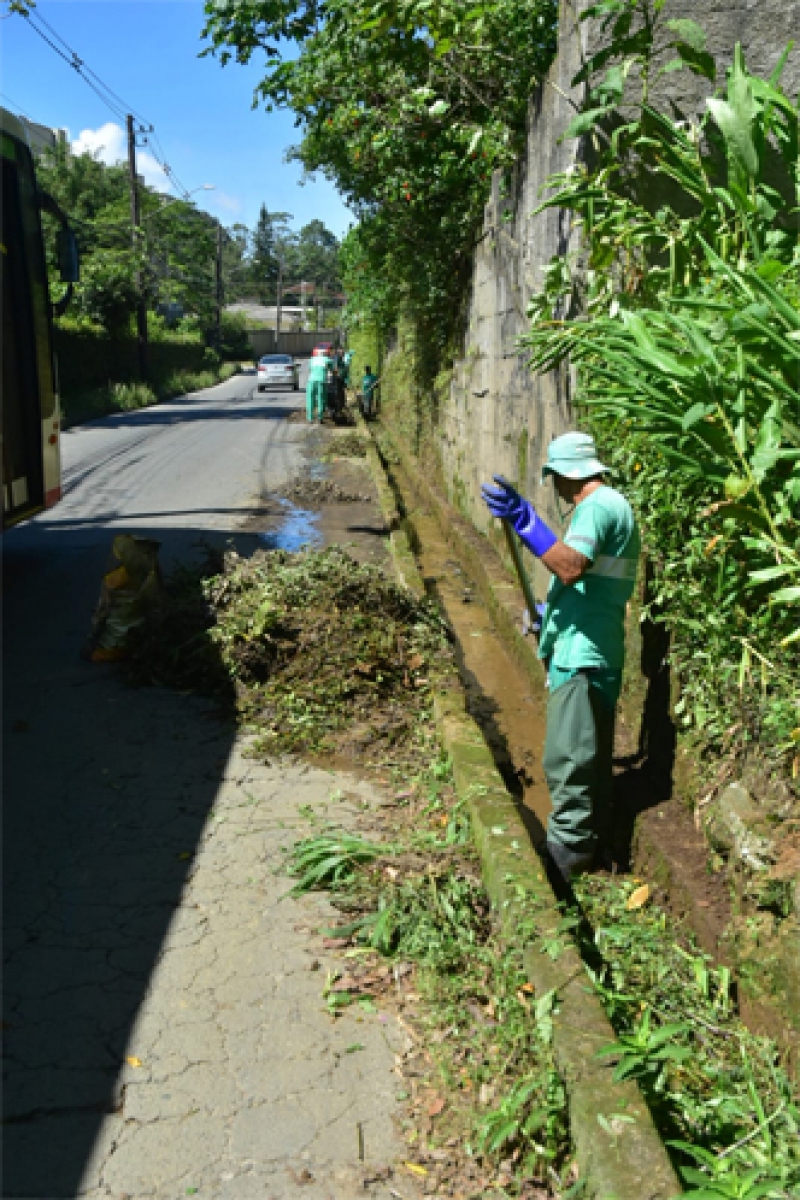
(687, 344)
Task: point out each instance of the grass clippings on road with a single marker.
(485, 1109)
(313, 492)
(315, 653)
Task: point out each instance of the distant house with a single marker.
(266, 313)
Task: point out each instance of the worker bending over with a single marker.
(318, 368)
(581, 640)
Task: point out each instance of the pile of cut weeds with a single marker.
(317, 652)
(320, 491)
(346, 445)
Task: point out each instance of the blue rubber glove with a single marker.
(504, 501)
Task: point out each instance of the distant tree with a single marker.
(174, 255)
(236, 249)
(270, 239)
(314, 258)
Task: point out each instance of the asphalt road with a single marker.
(162, 1030)
(195, 462)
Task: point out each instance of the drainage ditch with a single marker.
(683, 1005)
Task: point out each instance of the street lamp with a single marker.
(204, 187)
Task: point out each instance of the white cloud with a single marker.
(109, 144)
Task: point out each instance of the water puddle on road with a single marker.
(297, 528)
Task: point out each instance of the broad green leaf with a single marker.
(768, 441)
(789, 595)
(695, 414)
(736, 131)
(688, 31)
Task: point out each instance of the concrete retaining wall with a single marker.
(264, 341)
(497, 416)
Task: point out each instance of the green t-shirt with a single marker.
(368, 384)
(318, 368)
(583, 623)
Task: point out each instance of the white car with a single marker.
(276, 370)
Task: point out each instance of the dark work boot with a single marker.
(568, 862)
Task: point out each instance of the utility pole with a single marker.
(219, 293)
(278, 309)
(141, 300)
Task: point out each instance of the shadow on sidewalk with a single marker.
(107, 789)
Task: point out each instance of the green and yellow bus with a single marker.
(31, 418)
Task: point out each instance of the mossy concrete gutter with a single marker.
(497, 591)
(619, 1152)
(405, 564)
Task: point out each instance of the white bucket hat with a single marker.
(573, 455)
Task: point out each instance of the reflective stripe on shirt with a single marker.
(609, 567)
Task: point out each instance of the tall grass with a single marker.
(93, 403)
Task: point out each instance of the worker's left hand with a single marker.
(503, 501)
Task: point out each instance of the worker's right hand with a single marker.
(503, 501)
(533, 624)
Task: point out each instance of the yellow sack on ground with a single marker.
(129, 594)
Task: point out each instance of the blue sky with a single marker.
(147, 51)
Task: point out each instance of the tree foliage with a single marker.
(172, 257)
(313, 257)
(407, 107)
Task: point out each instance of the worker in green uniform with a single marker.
(318, 368)
(369, 399)
(581, 640)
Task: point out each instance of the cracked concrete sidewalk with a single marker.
(164, 1033)
(237, 1082)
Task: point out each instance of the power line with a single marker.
(77, 65)
(14, 104)
(112, 101)
(127, 108)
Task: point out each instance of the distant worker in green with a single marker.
(318, 368)
(581, 640)
(369, 384)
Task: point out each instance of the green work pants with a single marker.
(577, 763)
(315, 399)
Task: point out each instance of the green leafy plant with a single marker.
(721, 1181)
(687, 347)
(645, 1052)
(718, 1093)
(330, 861)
